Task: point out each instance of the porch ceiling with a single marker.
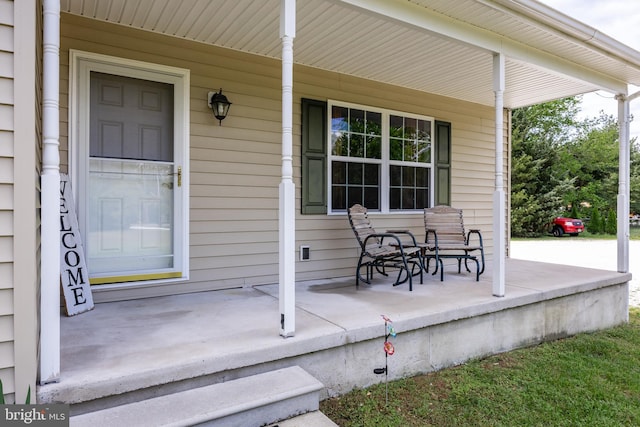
(437, 46)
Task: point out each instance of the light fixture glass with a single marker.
(219, 104)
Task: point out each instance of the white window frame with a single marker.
(81, 64)
(385, 160)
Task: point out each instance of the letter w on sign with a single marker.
(74, 277)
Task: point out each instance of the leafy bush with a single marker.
(596, 225)
(28, 400)
(611, 224)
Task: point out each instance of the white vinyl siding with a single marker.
(236, 167)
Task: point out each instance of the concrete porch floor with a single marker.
(167, 344)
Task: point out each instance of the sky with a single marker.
(619, 19)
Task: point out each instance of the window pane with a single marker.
(354, 195)
(422, 198)
(339, 128)
(371, 174)
(407, 198)
(395, 176)
(138, 126)
(374, 147)
(371, 198)
(394, 198)
(338, 198)
(131, 211)
(395, 147)
(395, 127)
(339, 143)
(338, 173)
(408, 177)
(410, 128)
(374, 123)
(339, 119)
(424, 152)
(356, 122)
(409, 151)
(354, 173)
(356, 146)
(422, 177)
(424, 130)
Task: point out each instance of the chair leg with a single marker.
(409, 275)
(426, 266)
(475, 258)
(359, 268)
(420, 264)
(466, 264)
(438, 265)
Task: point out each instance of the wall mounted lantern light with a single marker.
(219, 104)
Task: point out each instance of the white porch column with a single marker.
(50, 198)
(623, 184)
(499, 200)
(287, 212)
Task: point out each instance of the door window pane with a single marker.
(131, 210)
(131, 118)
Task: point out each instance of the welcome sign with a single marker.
(74, 277)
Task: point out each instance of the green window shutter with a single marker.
(314, 157)
(443, 163)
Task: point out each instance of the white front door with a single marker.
(131, 174)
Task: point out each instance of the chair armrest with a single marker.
(428, 232)
(476, 232)
(407, 232)
(382, 237)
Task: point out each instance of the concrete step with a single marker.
(310, 419)
(256, 400)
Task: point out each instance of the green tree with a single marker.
(562, 166)
(595, 224)
(634, 182)
(574, 210)
(591, 159)
(611, 224)
(538, 190)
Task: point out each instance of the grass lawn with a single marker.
(587, 380)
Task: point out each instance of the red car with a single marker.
(570, 226)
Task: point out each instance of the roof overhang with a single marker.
(436, 46)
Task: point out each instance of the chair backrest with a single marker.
(447, 222)
(361, 225)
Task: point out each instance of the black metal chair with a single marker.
(446, 239)
(375, 254)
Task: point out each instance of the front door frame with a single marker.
(80, 65)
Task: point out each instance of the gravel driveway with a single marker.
(601, 254)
